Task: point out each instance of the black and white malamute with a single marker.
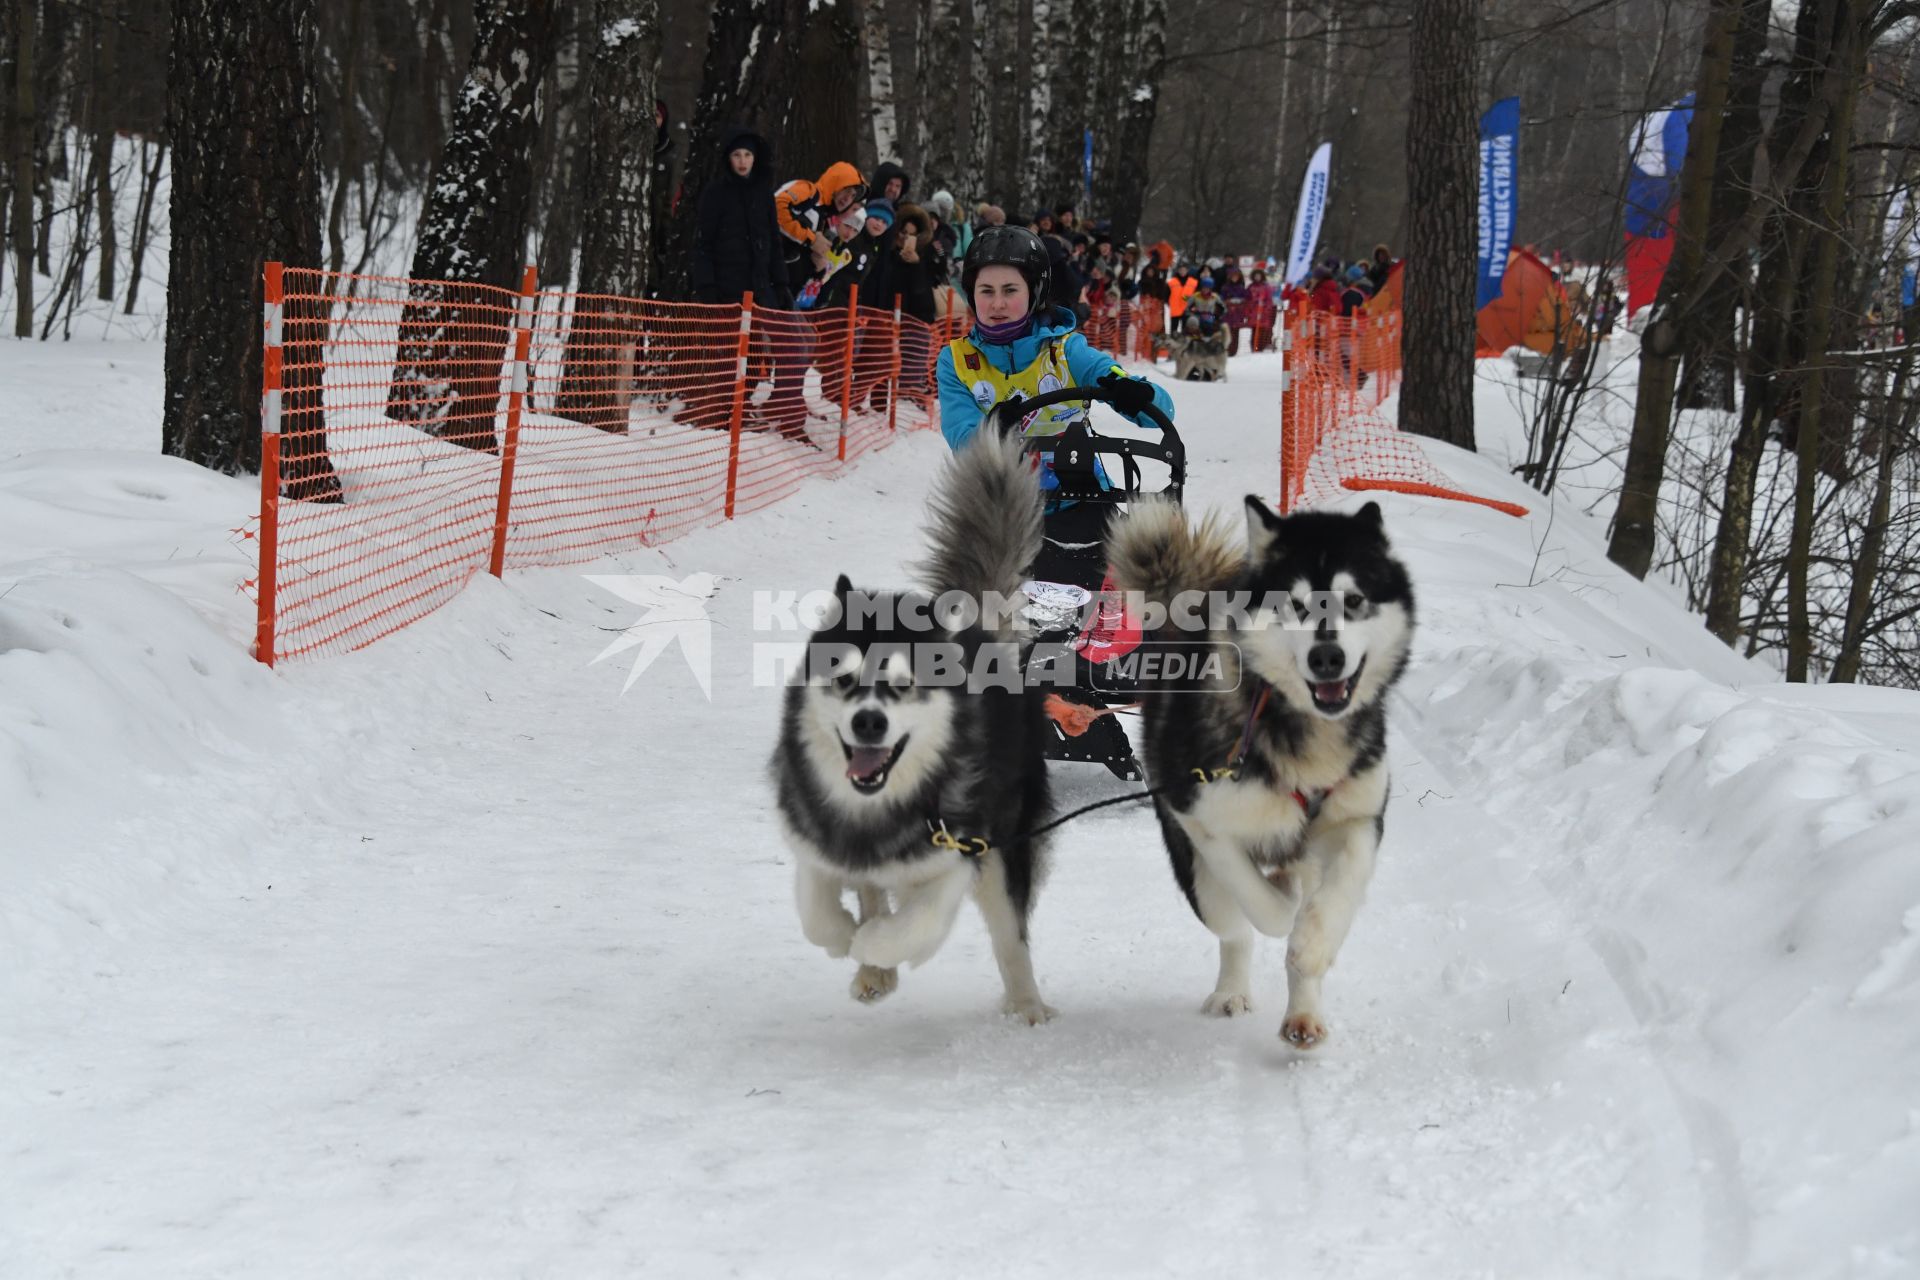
(904, 786)
(1276, 773)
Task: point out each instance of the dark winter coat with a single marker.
(737, 248)
(893, 273)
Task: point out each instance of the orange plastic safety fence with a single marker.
(468, 428)
(1333, 438)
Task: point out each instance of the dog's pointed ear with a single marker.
(1263, 530)
(1373, 520)
(843, 588)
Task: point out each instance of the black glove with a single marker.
(1131, 396)
(1005, 417)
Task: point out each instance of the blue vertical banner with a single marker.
(1312, 208)
(1499, 191)
(1086, 174)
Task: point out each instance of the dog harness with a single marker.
(1310, 802)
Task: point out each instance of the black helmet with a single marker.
(1014, 247)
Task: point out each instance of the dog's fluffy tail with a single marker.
(986, 529)
(1158, 553)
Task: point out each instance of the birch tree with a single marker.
(876, 40)
(622, 52)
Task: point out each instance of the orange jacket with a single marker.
(803, 208)
(1178, 291)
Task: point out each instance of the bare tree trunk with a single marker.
(348, 114)
(1669, 333)
(473, 230)
(1443, 151)
(1846, 65)
(877, 36)
(1277, 203)
(945, 86)
(1005, 127)
(26, 13)
(143, 218)
(614, 253)
(241, 72)
(749, 77)
(1039, 75)
(107, 43)
(1895, 430)
(823, 119)
(561, 165)
(1144, 54)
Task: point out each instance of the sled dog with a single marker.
(910, 792)
(1276, 774)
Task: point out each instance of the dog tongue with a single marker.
(1331, 691)
(867, 761)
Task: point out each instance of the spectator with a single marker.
(1325, 293)
(1233, 291)
(736, 248)
(939, 207)
(813, 250)
(891, 182)
(1260, 310)
(1354, 296)
(1382, 264)
(916, 265)
(1179, 289)
(865, 264)
(805, 210)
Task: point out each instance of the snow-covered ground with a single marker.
(446, 959)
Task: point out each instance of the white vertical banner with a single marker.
(1307, 218)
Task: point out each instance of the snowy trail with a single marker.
(477, 967)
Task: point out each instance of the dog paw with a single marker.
(1227, 1004)
(832, 934)
(1304, 1030)
(1035, 1010)
(871, 985)
(881, 944)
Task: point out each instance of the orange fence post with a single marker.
(893, 378)
(1289, 406)
(846, 372)
(739, 400)
(516, 398)
(269, 466)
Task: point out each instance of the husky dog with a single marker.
(1201, 357)
(1275, 776)
(911, 790)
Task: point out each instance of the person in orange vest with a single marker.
(1179, 289)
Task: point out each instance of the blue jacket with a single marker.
(961, 415)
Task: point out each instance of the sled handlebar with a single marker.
(1168, 449)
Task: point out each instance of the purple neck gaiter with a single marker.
(1004, 332)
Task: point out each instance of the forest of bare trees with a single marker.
(1768, 468)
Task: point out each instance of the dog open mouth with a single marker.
(867, 767)
(1331, 697)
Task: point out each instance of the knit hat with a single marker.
(941, 203)
(881, 208)
(1356, 272)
